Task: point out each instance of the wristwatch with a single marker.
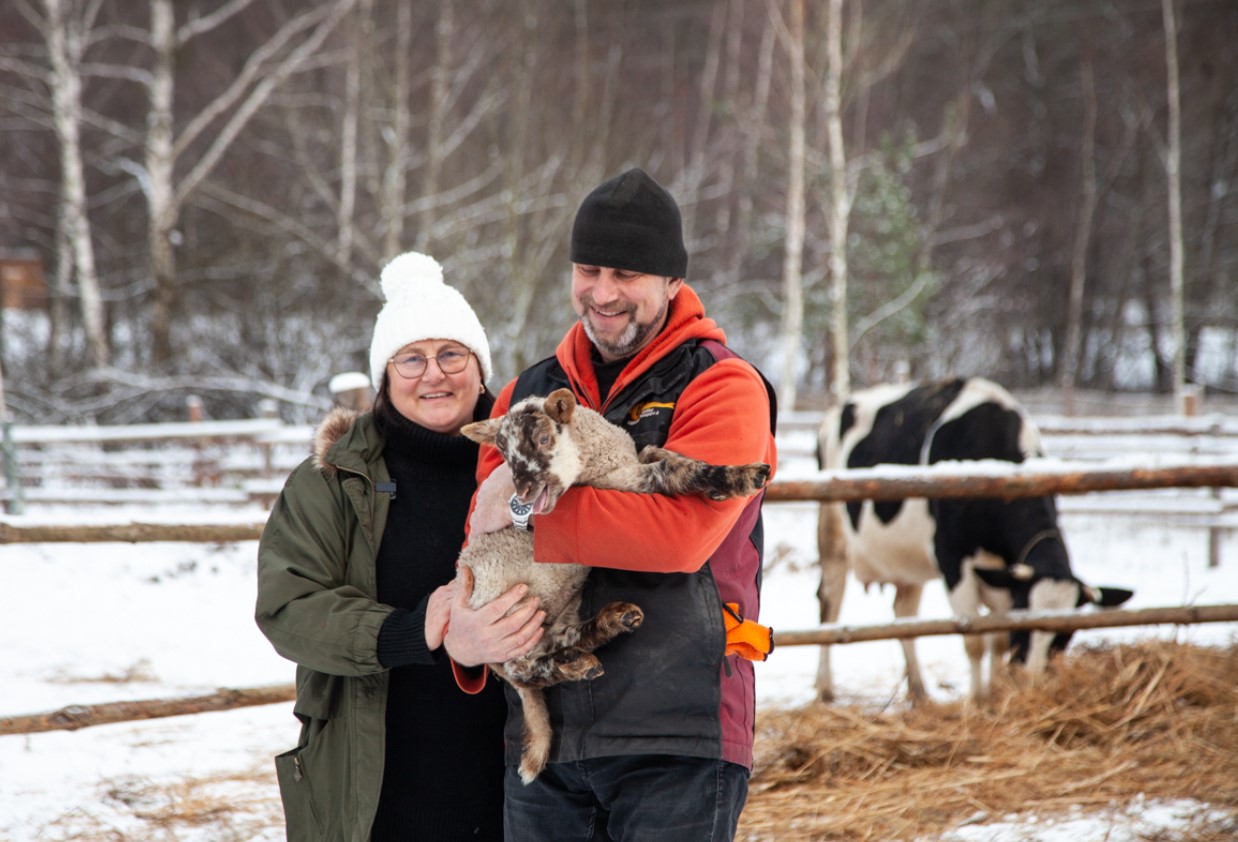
(520, 513)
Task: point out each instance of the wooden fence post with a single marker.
(13, 503)
(268, 408)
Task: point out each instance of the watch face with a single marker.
(520, 509)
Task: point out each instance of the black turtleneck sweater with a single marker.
(443, 776)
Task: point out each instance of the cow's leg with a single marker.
(965, 601)
(832, 551)
(999, 650)
(907, 604)
(974, 645)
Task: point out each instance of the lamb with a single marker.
(552, 444)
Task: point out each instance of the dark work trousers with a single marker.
(642, 798)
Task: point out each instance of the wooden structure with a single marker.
(22, 285)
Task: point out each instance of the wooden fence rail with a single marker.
(963, 479)
(958, 479)
(1054, 621)
(73, 717)
(130, 533)
(83, 716)
(1212, 424)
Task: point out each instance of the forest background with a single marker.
(196, 197)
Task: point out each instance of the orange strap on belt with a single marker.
(747, 638)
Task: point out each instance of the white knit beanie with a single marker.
(420, 306)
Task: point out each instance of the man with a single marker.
(660, 746)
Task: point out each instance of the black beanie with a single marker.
(631, 222)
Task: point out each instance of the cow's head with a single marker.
(535, 440)
(1034, 588)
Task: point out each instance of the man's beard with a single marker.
(633, 337)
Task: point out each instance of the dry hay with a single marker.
(1108, 724)
(225, 807)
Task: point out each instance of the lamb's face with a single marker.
(540, 452)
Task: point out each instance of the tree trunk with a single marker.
(792, 328)
(840, 205)
(395, 178)
(160, 162)
(349, 123)
(65, 45)
(700, 152)
(60, 336)
(752, 135)
(444, 34)
(1173, 168)
(1071, 355)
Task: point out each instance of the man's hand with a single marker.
(489, 635)
(438, 612)
(490, 513)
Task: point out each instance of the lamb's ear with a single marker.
(482, 432)
(560, 405)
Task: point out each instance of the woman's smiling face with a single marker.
(436, 400)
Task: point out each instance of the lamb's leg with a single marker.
(614, 619)
(576, 662)
(536, 749)
(667, 472)
(567, 664)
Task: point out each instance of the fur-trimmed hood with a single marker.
(337, 424)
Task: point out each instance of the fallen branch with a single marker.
(1055, 621)
(83, 716)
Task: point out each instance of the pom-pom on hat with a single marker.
(421, 306)
(631, 222)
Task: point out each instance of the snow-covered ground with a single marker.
(88, 623)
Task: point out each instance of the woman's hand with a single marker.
(489, 635)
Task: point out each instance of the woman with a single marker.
(356, 585)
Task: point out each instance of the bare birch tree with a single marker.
(394, 190)
(1173, 167)
(840, 203)
(65, 29)
(1071, 348)
(291, 46)
(791, 329)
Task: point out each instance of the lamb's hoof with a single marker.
(752, 478)
(529, 772)
(625, 616)
(631, 620)
(583, 666)
(761, 476)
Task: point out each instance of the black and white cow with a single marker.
(992, 553)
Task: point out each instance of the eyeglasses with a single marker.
(412, 366)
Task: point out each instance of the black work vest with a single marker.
(663, 686)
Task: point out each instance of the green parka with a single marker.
(317, 605)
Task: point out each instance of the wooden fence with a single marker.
(73, 717)
(970, 479)
(961, 479)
